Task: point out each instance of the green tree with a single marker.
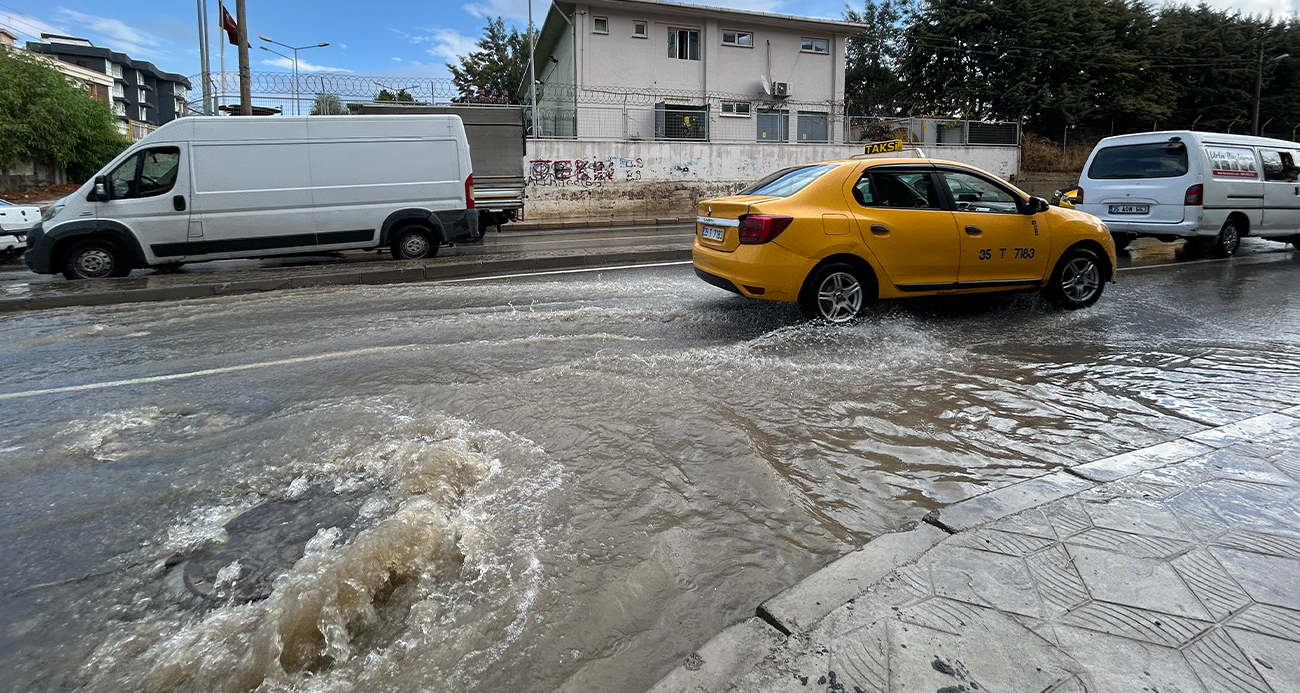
(871, 82)
(43, 118)
(494, 72)
(400, 97)
(328, 104)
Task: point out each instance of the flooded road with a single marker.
(565, 481)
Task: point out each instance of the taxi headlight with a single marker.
(51, 211)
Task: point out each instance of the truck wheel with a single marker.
(94, 259)
(837, 294)
(1229, 239)
(1077, 281)
(1122, 240)
(413, 243)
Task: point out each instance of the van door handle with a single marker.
(973, 231)
(178, 203)
(880, 230)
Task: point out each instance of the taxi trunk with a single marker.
(718, 224)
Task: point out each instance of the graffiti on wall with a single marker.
(586, 173)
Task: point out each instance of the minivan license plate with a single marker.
(1130, 209)
(712, 233)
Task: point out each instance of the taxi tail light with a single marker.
(1078, 196)
(756, 229)
(1193, 196)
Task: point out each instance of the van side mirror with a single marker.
(1037, 205)
(100, 192)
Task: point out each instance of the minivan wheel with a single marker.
(836, 294)
(1077, 281)
(413, 243)
(94, 260)
(1228, 240)
(1122, 240)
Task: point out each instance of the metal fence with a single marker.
(620, 113)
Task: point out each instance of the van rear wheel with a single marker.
(94, 259)
(1229, 239)
(413, 243)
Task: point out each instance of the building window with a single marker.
(144, 96)
(815, 45)
(600, 25)
(139, 77)
(684, 44)
(738, 38)
(144, 115)
(640, 29)
(119, 92)
(115, 70)
(681, 122)
(814, 127)
(738, 109)
(774, 126)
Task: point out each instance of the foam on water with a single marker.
(451, 523)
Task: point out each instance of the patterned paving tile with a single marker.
(1259, 542)
(1138, 624)
(1067, 517)
(1222, 665)
(998, 541)
(1218, 592)
(1138, 545)
(1276, 660)
(1145, 583)
(1057, 580)
(1269, 620)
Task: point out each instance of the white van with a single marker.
(212, 188)
(1206, 186)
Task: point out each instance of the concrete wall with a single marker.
(600, 178)
(22, 176)
(1045, 184)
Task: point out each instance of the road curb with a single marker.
(798, 608)
(365, 276)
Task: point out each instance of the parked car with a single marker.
(835, 236)
(210, 188)
(1209, 188)
(15, 220)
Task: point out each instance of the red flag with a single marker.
(231, 27)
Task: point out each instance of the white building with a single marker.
(653, 70)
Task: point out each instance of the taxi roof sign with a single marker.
(883, 147)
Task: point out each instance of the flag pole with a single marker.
(203, 56)
(221, 15)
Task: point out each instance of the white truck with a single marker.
(1207, 187)
(211, 188)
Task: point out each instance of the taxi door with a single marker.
(999, 243)
(900, 215)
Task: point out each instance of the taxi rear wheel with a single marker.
(1077, 281)
(837, 293)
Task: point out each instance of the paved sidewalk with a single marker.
(1173, 568)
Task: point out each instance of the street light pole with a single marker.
(1259, 85)
(295, 49)
(532, 68)
(245, 76)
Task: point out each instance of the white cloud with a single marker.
(344, 46)
(1277, 8)
(303, 65)
(447, 44)
(115, 34)
(397, 59)
(510, 9)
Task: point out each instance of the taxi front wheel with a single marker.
(1077, 281)
(836, 293)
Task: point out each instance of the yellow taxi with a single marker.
(835, 236)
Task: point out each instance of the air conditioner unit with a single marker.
(781, 89)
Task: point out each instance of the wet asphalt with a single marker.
(564, 481)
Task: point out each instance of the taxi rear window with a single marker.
(1154, 160)
(787, 181)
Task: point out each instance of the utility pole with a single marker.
(245, 77)
(204, 67)
(532, 69)
(1259, 85)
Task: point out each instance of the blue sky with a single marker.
(395, 37)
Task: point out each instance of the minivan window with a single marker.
(787, 182)
(1154, 160)
(150, 172)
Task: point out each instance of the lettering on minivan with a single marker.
(1151, 160)
(1232, 162)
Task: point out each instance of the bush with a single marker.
(43, 118)
(1039, 154)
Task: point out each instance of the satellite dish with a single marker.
(767, 88)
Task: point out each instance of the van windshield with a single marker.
(1155, 160)
(787, 181)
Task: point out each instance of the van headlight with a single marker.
(52, 211)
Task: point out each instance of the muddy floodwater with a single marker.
(560, 482)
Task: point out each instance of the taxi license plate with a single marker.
(1130, 209)
(713, 233)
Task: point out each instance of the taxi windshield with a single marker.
(788, 181)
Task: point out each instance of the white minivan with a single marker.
(212, 188)
(1203, 186)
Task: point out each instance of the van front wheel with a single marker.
(413, 243)
(94, 260)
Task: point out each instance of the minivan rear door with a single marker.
(1281, 191)
(1233, 181)
(1145, 182)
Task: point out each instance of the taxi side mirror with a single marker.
(1037, 205)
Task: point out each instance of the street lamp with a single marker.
(295, 50)
(1259, 85)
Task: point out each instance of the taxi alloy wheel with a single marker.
(1077, 281)
(836, 295)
